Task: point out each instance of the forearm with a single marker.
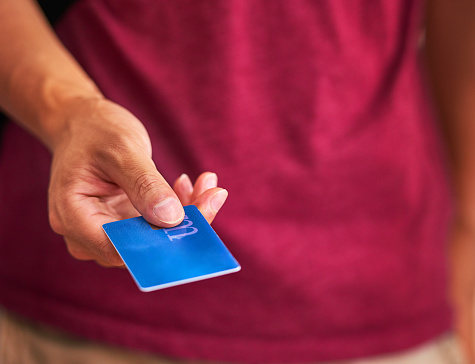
(38, 76)
(450, 49)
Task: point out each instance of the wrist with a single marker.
(59, 110)
(40, 100)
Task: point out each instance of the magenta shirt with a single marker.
(313, 114)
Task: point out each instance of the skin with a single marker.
(102, 169)
(108, 175)
(450, 57)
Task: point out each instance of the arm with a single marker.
(450, 50)
(102, 169)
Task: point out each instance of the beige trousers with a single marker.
(24, 343)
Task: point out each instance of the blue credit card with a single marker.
(164, 257)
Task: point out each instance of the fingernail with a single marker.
(211, 181)
(169, 211)
(185, 180)
(218, 200)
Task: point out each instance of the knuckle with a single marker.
(145, 185)
(117, 150)
(55, 223)
(78, 253)
(112, 152)
(112, 146)
(104, 264)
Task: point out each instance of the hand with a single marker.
(462, 256)
(102, 171)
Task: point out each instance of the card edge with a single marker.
(189, 280)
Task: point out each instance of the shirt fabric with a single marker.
(315, 118)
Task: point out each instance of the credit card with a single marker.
(164, 257)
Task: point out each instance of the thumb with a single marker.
(148, 191)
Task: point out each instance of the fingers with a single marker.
(93, 243)
(183, 189)
(204, 182)
(80, 222)
(204, 194)
(147, 190)
(187, 193)
(103, 161)
(79, 252)
(210, 202)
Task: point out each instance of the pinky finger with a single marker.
(80, 253)
(76, 251)
(183, 189)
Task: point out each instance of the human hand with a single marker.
(462, 259)
(102, 171)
